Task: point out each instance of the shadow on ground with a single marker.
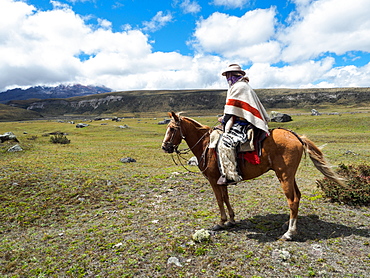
(270, 227)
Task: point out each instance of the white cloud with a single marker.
(247, 38)
(37, 46)
(157, 22)
(263, 75)
(44, 48)
(76, 1)
(348, 76)
(231, 3)
(191, 7)
(59, 46)
(105, 23)
(166, 71)
(336, 26)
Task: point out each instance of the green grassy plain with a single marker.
(75, 210)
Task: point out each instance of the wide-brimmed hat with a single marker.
(233, 67)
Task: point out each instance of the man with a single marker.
(242, 109)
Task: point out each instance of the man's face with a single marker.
(228, 75)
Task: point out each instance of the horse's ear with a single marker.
(173, 116)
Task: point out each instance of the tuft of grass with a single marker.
(59, 139)
(357, 191)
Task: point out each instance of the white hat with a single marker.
(233, 67)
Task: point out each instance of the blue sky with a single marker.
(184, 44)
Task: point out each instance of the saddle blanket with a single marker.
(251, 157)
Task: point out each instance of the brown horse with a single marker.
(281, 152)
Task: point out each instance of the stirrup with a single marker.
(225, 182)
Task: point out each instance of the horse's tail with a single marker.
(318, 160)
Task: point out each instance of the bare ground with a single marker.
(130, 228)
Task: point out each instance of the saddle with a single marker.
(250, 150)
(248, 146)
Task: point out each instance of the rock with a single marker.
(164, 122)
(317, 250)
(349, 152)
(118, 245)
(127, 160)
(281, 118)
(314, 112)
(123, 126)
(8, 136)
(201, 235)
(175, 261)
(193, 161)
(15, 148)
(80, 125)
(280, 255)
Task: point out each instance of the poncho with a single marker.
(243, 102)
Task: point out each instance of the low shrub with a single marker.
(59, 139)
(357, 191)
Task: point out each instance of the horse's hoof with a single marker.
(218, 227)
(287, 237)
(230, 224)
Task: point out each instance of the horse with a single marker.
(281, 152)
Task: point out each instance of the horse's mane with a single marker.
(197, 124)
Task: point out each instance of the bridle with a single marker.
(170, 142)
(181, 152)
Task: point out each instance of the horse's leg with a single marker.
(225, 196)
(217, 190)
(293, 196)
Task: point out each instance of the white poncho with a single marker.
(243, 102)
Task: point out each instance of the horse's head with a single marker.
(173, 135)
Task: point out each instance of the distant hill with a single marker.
(8, 113)
(197, 102)
(43, 92)
(147, 102)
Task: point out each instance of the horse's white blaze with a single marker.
(166, 135)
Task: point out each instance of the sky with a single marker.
(184, 44)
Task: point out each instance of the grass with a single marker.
(75, 210)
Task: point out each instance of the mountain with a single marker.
(141, 103)
(43, 92)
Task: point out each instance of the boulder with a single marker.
(8, 136)
(15, 148)
(314, 112)
(80, 125)
(164, 122)
(127, 160)
(281, 118)
(193, 161)
(175, 261)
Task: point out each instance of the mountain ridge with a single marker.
(141, 102)
(47, 92)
